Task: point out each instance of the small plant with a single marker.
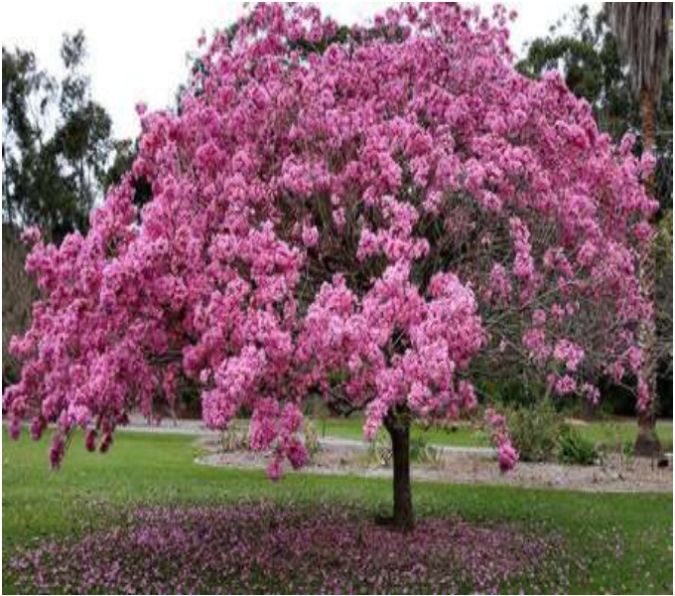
(312, 443)
(573, 448)
(626, 453)
(421, 451)
(380, 450)
(534, 431)
(234, 439)
(628, 449)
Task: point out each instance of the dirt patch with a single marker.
(613, 474)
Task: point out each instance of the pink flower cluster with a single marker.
(506, 453)
(393, 347)
(365, 217)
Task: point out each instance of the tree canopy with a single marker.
(381, 223)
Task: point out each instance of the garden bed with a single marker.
(614, 473)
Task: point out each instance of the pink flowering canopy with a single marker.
(375, 217)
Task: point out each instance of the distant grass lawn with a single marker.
(604, 432)
(624, 541)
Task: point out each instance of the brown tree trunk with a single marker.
(647, 442)
(399, 431)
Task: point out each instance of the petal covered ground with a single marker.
(260, 547)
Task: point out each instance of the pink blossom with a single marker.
(644, 396)
(57, 451)
(506, 453)
(507, 456)
(499, 289)
(539, 317)
(14, 427)
(37, 427)
(365, 223)
(310, 236)
(31, 235)
(569, 353)
(90, 440)
(274, 469)
(565, 385)
(591, 393)
(647, 164)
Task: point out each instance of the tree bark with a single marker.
(399, 431)
(647, 442)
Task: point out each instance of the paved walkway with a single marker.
(197, 428)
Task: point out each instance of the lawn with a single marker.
(617, 543)
(610, 432)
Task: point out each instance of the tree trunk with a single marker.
(399, 431)
(647, 442)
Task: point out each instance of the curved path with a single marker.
(196, 428)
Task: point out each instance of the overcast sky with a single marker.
(137, 48)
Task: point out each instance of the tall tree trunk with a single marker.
(399, 431)
(647, 442)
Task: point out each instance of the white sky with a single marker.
(137, 48)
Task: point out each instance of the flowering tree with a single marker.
(376, 217)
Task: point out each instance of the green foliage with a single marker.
(535, 430)
(609, 433)
(56, 142)
(589, 59)
(305, 47)
(628, 450)
(379, 450)
(573, 448)
(513, 392)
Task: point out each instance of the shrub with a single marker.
(534, 431)
(573, 448)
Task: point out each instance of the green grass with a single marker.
(612, 432)
(352, 428)
(143, 468)
(604, 432)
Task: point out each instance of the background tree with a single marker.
(380, 223)
(643, 31)
(664, 295)
(594, 69)
(56, 143)
(18, 293)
